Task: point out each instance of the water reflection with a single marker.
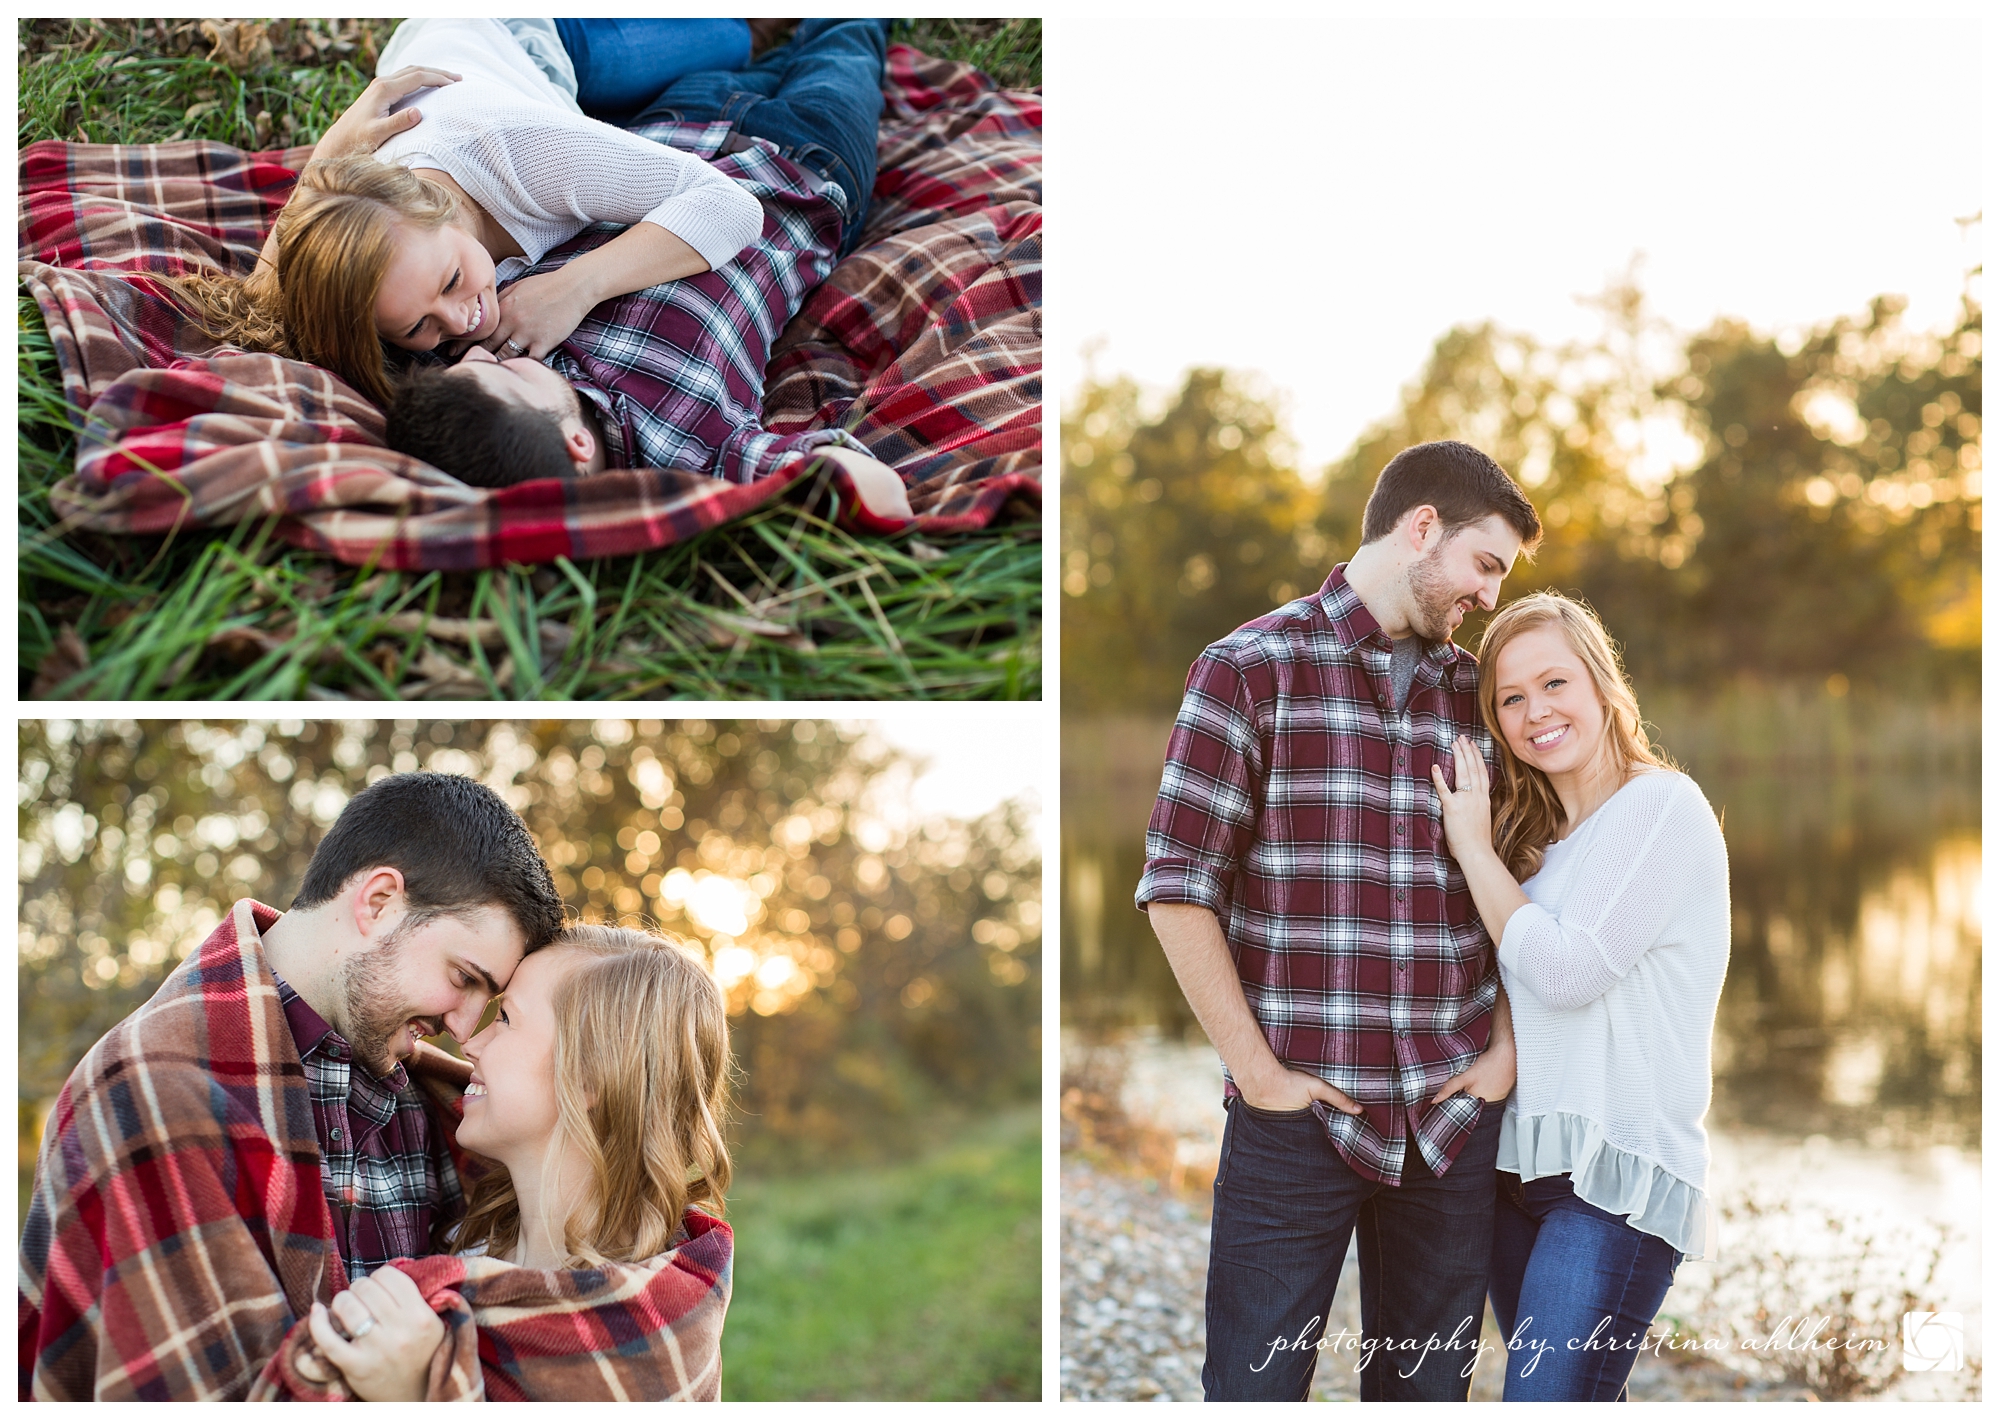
(1851, 1007)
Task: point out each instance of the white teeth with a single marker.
(1550, 737)
(478, 313)
(475, 1088)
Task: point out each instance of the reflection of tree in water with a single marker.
(876, 966)
(1851, 1006)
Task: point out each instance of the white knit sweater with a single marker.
(519, 147)
(1613, 970)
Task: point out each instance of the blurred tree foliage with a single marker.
(1807, 509)
(878, 968)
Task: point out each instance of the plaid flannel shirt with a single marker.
(676, 371)
(386, 1174)
(1297, 806)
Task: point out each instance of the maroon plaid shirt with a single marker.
(1299, 809)
(387, 1175)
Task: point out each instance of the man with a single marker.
(1298, 880)
(251, 1140)
(673, 376)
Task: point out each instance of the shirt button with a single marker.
(1399, 761)
(1401, 827)
(1404, 1034)
(1399, 894)
(336, 1133)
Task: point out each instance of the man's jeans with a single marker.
(622, 64)
(1285, 1206)
(1568, 1272)
(818, 97)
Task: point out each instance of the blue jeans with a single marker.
(620, 64)
(1582, 1285)
(1286, 1204)
(817, 96)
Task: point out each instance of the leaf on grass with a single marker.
(442, 678)
(65, 659)
(728, 629)
(200, 110)
(923, 551)
(242, 45)
(556, 638)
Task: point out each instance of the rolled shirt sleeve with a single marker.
(1207, 808)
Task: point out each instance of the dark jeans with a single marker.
(1581, 1284)
(817, 96)
(620, 64)
(1286, 1204)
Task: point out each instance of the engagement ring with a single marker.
(516, 347)
(362, 1330)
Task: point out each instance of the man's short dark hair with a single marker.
(1464, 485)
(457, 844)
(476, 437)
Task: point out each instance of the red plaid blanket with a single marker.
(927, 339)
(638, 1331)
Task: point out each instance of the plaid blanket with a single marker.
(926, 342)
(641, 1331)
(177, 1228)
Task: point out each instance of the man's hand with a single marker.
(368, 124)
(394, 1335)
(1491, 1076)
(538, 313)
(879, 486)
(1286, 1090)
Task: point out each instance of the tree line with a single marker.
(1802, 509)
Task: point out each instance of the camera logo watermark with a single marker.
(1933, 1341)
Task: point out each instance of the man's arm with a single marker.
(1199, 955)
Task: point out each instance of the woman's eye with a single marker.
(452, 285)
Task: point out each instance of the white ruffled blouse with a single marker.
(1614, 970)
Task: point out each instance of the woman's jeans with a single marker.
(621, 64)
(1286, 1204)
(818, 97)
(1574, 1289)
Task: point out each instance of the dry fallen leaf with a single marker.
(242, 45)
(65, 659)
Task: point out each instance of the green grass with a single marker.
(919, 1281)
(781, 605)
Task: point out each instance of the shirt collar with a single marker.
(313, 1036)
(1353, 623)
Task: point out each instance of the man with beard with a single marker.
(268, 1127)
(1298, 880)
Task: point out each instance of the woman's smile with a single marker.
(1548, 739)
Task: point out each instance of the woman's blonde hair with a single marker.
(335, 239)
(642, 1085)
(1527, 814)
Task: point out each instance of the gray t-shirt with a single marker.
(1403, 658)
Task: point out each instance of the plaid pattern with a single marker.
(925, 343)
(622, 1331)
(387, 1178)
(177, 1229)
(1298, 808)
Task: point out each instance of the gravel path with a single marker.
(1134, 1263)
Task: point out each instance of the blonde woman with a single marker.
(1601, 874)
(460, 169)
(597, 1094)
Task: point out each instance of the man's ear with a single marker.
(378, 898)
(580, 442)
(1423, 520)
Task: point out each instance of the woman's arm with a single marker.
(537, 313)
(1468, 828)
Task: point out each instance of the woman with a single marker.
(464, 166)
(597, 1096)
(1601, 874)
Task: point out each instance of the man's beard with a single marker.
(1431, 597)
(376, 1010)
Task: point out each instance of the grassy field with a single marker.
(918, 1281)
(778, 605)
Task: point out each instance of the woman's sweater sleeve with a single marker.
(587, 171)
(1622, 897)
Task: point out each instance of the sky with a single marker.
(978, 757)
(1319, 201)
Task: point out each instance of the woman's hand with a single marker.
(879, 486)
(1468, 810)
(393, 1332)
(538, 313)
(368, 124)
